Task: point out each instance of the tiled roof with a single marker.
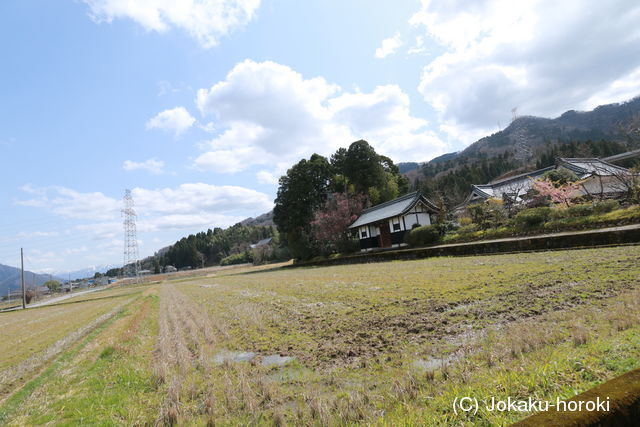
(588, 166)
(390, 209)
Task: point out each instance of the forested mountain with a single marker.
(528, 143)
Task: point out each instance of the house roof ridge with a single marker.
(391, 202)
(522, 175)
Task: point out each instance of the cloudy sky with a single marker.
(199, 106)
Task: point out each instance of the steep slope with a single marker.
(527, 134)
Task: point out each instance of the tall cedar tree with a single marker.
(302, 191)
(363, 167)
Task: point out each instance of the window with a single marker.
(363, 234)
(396, 227)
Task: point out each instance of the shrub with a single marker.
(488, 214)
(534, 217)
(559, 212)
(422, 236)
(464, 221)
(560, 176)
(29, 295)
(606, 206)
(241, 258)
(585, 209)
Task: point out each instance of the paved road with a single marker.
(57, 299)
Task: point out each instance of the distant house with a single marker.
(101, 281)
(600, 177)
(262, 243)
(384, 225)
(513, 187)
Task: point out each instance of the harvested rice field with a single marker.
(384, 344)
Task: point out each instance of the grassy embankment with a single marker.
(557, 219)
(377, 343)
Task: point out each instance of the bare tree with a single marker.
(613, 180)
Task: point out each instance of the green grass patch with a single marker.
(13, 402)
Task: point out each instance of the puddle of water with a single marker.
(276, 360)
(290, 373)
(431, 363)
(233, 356)
(313, 304)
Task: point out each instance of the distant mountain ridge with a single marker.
(527, 135)
(266, 219)
(10, 278)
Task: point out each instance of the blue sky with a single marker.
(199, 112)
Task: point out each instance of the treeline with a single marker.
(579, 149)
(453, 186)
(212, 246)
(318, 197)
(216, 247)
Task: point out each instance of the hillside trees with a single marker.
(210, 247)
(454, 177)
(588, 148)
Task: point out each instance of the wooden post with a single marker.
(24, 298)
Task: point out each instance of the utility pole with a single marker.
(24, 298)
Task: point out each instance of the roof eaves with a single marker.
(479, 190)
(522, 175)
(389, 203)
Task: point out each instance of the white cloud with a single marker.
(69, 203)
(196, 198)
(153, 166)
(268, 114)
(205, 20)
(266, 177)
(175, 120)
(542, 56)
(389, 46)
(190, 205)
(418, 47)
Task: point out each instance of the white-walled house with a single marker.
(384, 225)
